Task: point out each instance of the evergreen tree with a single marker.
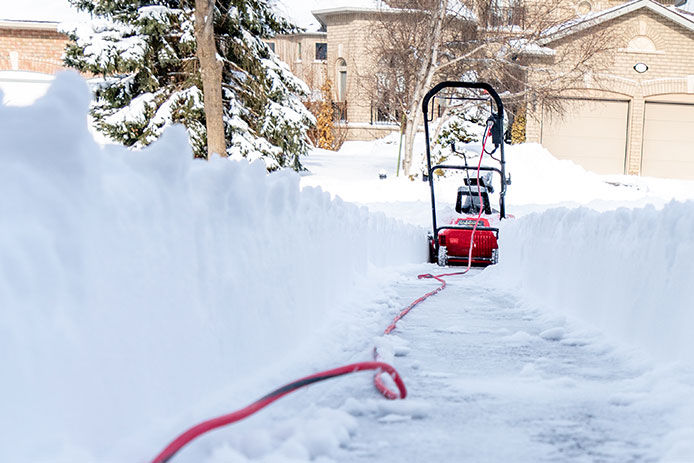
(145, 51)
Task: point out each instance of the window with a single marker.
(343, 85)
(506, 13)
(341, 79)
(321, 51)
(298, 58)
(340, 111)
(272, 46)
(382, 114)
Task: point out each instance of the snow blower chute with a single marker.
(471, 237)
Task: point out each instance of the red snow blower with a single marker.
(471, 238)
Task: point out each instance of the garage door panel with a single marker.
(668, 141)
(591, 133)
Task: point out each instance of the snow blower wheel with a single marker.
(477, 223)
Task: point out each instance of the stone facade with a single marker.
(299, 51)
(348, 65)
(31, 46)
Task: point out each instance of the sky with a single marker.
(298, 11)
(37, 10)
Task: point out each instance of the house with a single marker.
(637, 117)
(633, 118)
(338, 49)
(30, 54)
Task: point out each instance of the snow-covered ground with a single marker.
(142, 292)
(135, 286)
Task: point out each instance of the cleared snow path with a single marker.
(489, 380)
(492, 381)
(499, 383)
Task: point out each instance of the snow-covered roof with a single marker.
(320, 15)
(302, 12)
(311, 14)
(593, 19)
(33, 25)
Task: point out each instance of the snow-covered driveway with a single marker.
(493, 381)
(489, 380)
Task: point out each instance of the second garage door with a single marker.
(591, 133)
(668, 134)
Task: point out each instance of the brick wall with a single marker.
(35, 50)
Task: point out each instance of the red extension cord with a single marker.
(380, 367)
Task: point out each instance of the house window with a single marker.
(340, 111)
(506, 13)
(343, 85)
(272, 46)
(341, 79)
(298, 58)
(321, 51)
(384, 115)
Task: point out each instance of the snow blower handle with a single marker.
(472, 85)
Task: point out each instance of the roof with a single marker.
(674, 14)
(321, 15)
(301, 12)
(32, 25)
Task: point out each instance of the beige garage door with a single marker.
(668, 140)
(592, 133)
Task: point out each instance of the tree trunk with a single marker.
(423, 81)
(410, 132)
(211, 73)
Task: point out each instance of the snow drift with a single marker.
(628, 272)
(133, 283)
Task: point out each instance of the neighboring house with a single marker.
(339, 50)
(30, 54)
(638, 116)
(635, 118)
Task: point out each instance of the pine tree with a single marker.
(145, 52)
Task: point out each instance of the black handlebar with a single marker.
(454, 84)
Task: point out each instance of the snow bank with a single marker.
(628, 272)
(135, 283)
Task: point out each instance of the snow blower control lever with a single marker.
(469, 240)
(497, 123)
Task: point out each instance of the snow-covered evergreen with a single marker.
(145, 51)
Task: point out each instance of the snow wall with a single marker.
(628, 272)
(135, 283)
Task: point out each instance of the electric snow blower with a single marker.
(471, 237)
